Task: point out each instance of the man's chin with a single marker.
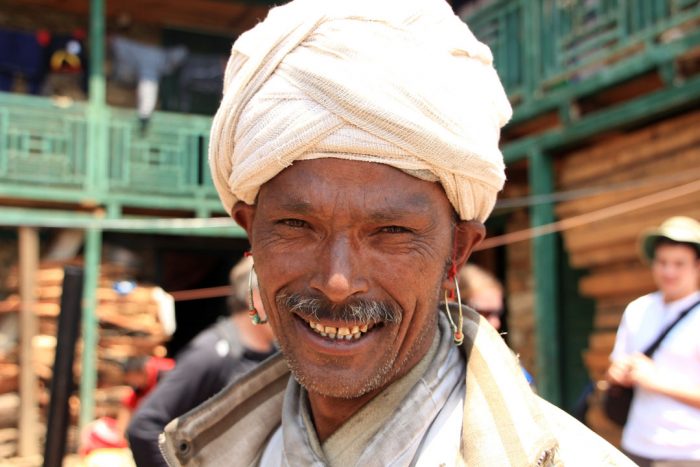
(342, 384)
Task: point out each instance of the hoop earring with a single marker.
(458, 335)
(252, 311)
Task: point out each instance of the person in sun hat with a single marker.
(663, 425)
(357, 145)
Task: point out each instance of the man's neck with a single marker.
(330, 413)
(668, 298)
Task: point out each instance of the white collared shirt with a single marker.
(658, 426)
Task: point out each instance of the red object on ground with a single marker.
(102, 433)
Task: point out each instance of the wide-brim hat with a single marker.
(678, 228)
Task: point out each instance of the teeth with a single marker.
(341, 333)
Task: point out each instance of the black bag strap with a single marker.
(655, 345)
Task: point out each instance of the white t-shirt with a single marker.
(658, 426)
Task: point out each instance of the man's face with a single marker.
(351, 259)
(676, 270)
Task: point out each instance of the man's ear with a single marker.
(244, 215)
(467, 235)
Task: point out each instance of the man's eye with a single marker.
(394, 229)
(296, 223)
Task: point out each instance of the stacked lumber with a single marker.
(129, 325)
(640, 164)
(520, 295)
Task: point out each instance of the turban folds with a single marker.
(397, 82)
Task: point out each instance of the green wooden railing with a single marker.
(44, 155)
(556, 49)
(41, 144)
(548, 52)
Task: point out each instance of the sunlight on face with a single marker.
(676, 270)
(351, 257)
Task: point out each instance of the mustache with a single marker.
(360, 310)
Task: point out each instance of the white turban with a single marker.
(397, 82)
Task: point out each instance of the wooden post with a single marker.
(545, 271)
(28, 414)
(88, 375)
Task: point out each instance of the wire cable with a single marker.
(590, 217)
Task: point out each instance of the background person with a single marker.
(141, 374)
(218, 354)
(663, 425)
(481, 291)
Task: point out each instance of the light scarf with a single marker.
(391, 429)
(490, 418)
(397, 82)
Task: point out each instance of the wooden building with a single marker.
(602, 144)
(81, 178)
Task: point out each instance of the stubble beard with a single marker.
(344, 387)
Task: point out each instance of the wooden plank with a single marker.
(28, 444)
(627, 227)
(602, 340)
(605, 255)
(610, 198)
(607, 321)
(631, 149)
(228, 18)
(575, 173)
(633, 281)
(9, 377)
(664, 172)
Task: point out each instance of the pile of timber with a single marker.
(129, 326)
(520, 295)
(641, 164)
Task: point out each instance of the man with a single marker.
(141, 374)
(220, 353)
(357, 145)
(484, 294)
(663, 425)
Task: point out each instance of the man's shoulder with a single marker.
(578, 445)
(221, 427)
(645, 301)
(642, 306)
(206, 338)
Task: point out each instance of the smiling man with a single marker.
(357, 145)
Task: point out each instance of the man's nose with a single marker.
(339, 275)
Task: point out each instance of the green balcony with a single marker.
(550, 51)
(44, 155)
(549, 54)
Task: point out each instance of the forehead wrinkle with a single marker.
(417, 203)
(301, 207)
